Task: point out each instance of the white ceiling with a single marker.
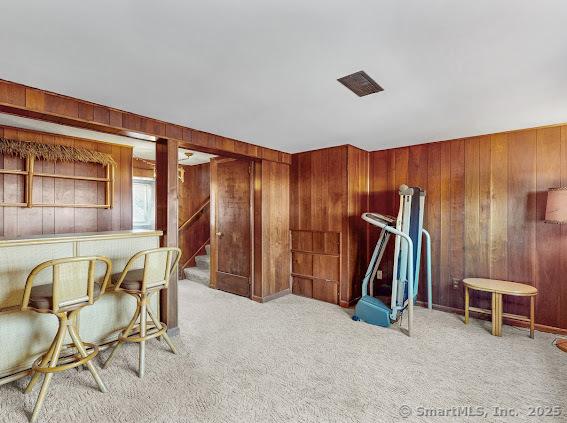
(140, 149)
(265, 71)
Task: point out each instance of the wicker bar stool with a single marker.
(72, 287)
(158, 267)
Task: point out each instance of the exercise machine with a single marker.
(408, 231)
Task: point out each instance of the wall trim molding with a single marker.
(271, 297)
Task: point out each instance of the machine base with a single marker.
(372, 310)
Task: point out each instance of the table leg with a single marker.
(499, 308)
(466, 304)
(532, 316)
(496, 314)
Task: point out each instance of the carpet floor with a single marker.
(300, 360)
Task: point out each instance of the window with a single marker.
(143, 198)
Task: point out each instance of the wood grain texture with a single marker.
(275, 243)
(563, 245)
(231, 225)
(193, 193)
(548, 236)
(485, 208)
(357, 230)
(316, 264)
(39, 104)
(167, 219)
(45, 220)
(329, 192)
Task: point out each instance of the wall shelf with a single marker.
(30, 175)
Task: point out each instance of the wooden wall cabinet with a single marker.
(329, 192)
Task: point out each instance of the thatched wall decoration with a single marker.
(53, 152)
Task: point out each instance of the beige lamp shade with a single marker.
(556, 209)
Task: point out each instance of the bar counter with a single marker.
(25, 335)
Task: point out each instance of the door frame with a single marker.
(213, 220)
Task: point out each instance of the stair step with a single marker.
(203, 262)
(196, 274)
(208, 249)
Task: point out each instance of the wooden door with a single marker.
(231, 237)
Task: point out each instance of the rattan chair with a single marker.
(72, 287)
(158, 267)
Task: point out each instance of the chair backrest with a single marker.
(158, 267)
(72, 281)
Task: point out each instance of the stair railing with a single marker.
(188, 223)
(181, 268)
(194, 216)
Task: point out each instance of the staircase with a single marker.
(201, 272)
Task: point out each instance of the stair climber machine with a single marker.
(407, 230)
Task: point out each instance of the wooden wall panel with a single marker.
(16, 221)
(485, 208)
(312, 174)
(329, 192)
(316, 264)
(548, 275)
(193, 193)
(275, 238)
(457, 223)
(563, 245)
(357, 231)
(521, 213)
(432, 219)
(418, 161)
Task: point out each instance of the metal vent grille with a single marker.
(360, 84)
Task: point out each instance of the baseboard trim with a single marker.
(481, 316)
(348, 304)
(271, 297)
(173, 331)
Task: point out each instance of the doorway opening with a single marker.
(215, 216)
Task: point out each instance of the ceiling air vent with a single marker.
(360, 84)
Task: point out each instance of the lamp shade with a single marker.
(556, 209)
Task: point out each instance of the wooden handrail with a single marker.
(197, 213)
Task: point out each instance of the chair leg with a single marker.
(143, 325)
(126, 332)
(56, 351)
(44, 362)
(77, 341)
(158, 325)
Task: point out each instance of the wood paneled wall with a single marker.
(485, 208)
(271, 230)
(271, 185)
(193, 193)
(15, 221)
(316, 264)
(329, 192)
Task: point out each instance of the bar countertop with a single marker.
(80, 236)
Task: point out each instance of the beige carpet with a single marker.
(300, 360)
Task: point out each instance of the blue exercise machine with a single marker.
(408, 231)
